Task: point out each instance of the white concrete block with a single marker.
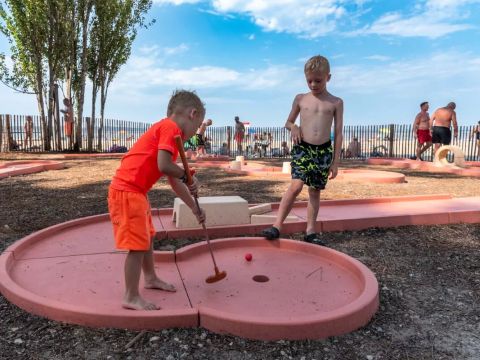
(220, 210)
(235, 165)
(286, 168)
(260, 209)
(240, 158)
(270, 219)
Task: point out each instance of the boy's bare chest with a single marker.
(310, 106)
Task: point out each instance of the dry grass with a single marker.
(429, 276)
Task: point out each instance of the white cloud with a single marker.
(422, 25)
(317, 18)
(430, 18)
(448, 4)
(176, 50)
(308, 18)
(251, 37)
(427, 74)
(378, 57)
(176, 2)
(147, 72)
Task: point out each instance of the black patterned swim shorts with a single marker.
(311, 163)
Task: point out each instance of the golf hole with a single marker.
(260, 278)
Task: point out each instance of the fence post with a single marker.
(1, 133)
(391, 140)
(8, 134)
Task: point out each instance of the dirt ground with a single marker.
(429, 276)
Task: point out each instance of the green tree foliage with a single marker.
(113, 31)
(52, 41)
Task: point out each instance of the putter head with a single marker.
(217, 277)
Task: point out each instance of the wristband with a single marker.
(184, 177)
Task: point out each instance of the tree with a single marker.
(36, 30)
(113, 31)
(81, 22)
(24, 24)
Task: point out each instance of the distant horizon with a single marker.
(247, 60)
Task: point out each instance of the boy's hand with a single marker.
(193, 186)
(199, 214)
(333, 171)
(296, 134)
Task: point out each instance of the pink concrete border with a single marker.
(34, 166)
(370, 176)
(472, 171)
(93, 155)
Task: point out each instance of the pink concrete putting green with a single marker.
(256, 169)
(13, 168)
(472, 169)
(288, 290)
(370, 176)
(352, 175)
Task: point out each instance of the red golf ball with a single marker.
(248, 257)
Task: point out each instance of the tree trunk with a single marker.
(51, 106)
(58, 130)
(103, 100)
(91, 127)
(80, 95)
(41, 110)
(68, 95)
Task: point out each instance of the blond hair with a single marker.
(182, 99)
(317, 63)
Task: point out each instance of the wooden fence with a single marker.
(118, 136)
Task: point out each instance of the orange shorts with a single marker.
(131, 218)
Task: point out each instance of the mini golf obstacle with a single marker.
(13, 168)
(442, 153)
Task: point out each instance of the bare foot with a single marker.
(138, 303)
(159, 284)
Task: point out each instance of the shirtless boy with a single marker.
(313, 157)
(200, 135)
(150, 158)
(421, 130)
(441, 122)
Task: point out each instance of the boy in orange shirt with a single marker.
(150, 158)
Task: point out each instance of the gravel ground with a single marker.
(429, 276)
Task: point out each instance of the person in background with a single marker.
(354, 149)
(28, 132)
(421, 130)
(239, 135)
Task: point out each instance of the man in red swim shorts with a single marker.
(421, 130)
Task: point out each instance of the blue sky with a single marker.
(246, 57)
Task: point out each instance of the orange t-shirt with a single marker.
(138, 170)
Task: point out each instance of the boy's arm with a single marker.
(295, 131)
(183, 193)
(167, 166)
(415, 124)
(338, 138)
(431, 121)
(455, 125)
(171, 169)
